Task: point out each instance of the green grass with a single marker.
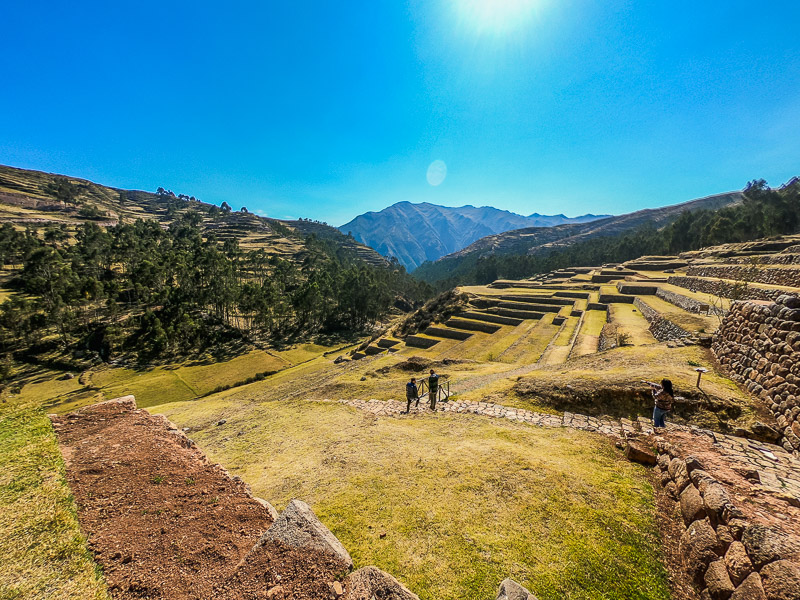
(42, 551)
(464, 501)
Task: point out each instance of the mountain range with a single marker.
(415, 233)
(536, 240)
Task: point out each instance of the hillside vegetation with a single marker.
(154, 288)
(759, 211)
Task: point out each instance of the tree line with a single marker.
(143, 290)
(764, 212)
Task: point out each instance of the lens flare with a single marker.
(437, 171)
(496, 16)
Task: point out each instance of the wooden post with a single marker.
(700, 371)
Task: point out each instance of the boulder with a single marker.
(781, 580)
(678, 472)
(718, 582)
(640, 453)
(299, 527)
(371, 582)
(763, 545)
(511, 590)
(715, 499)
(691, 505)
(699, 548)
(750, 589)
(738, 563)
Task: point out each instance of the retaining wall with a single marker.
(724, 289)
(726, 554)
(759, 343)
(688, 304)
(771, 276)
(662, 329)
(472, 325)
(636, 289)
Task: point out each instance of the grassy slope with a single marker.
(464, 501)
(42, 551)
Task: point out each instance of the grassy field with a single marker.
(589, 334)
(463, 501)
(631, 322)
(171, 383)
(42, 551)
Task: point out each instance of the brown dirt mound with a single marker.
(165, 523)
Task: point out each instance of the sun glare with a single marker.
(496, 16)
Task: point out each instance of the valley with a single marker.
(520, 472)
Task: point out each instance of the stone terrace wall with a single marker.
(723, 289)
(768, 259)
(727, 555)
(661, 328)
(686, 303)
(788, 277)
(760, 345)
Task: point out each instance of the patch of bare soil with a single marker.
(165, 523)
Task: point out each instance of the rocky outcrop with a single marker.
(759, 343)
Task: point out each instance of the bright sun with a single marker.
(496, 16)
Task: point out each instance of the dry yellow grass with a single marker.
(463, 501)
(42, 551)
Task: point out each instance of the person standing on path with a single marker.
(433, 388)
(664, 397)
(411, 394)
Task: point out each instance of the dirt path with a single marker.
(165, 523)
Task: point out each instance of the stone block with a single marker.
(718, 582)
(763, 545)
(370, 582)
(738, 563)
(691, 505)
(299, 527)
(699, 548)
(640, 453)
(511, 590)
(781, 580)
(750, 589)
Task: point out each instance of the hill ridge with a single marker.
(423, 231)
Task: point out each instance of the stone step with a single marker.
(453, 334)
(489, 318)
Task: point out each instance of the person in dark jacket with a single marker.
(664, 396)
(411, 394)
(433, 388)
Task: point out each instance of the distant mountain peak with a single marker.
(416, 232)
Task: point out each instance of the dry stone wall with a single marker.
(759, 343)
(661, 328)
(727, 555)
(771, 276)
(769, 259)
(686, 303)
(724, 289)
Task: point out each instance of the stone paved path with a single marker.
(772, 467)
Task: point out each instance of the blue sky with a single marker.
(330, 109)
